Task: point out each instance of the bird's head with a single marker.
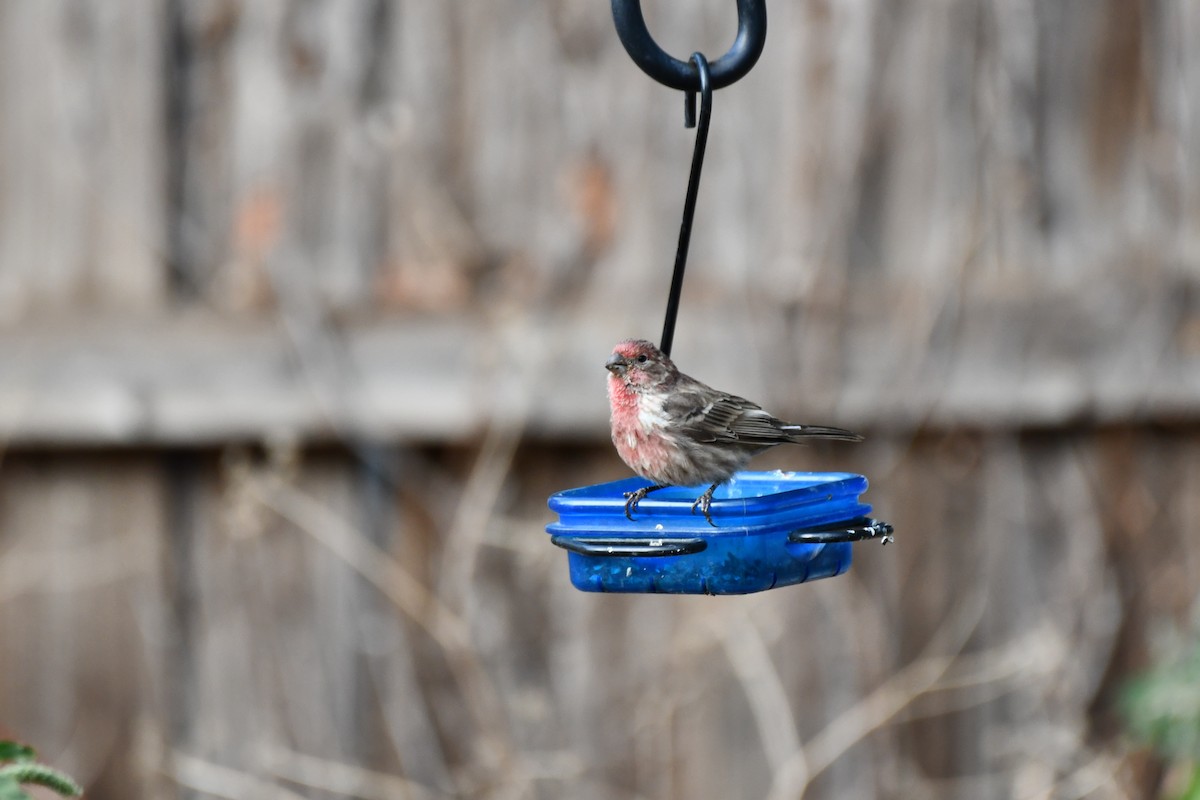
(639, 363)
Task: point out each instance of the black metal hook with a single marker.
(689, 200)
(669, 71)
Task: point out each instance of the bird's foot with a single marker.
(704, 501)
(633, 498)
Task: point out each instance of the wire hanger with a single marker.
(692, 77)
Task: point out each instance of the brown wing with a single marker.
(723, 419)
(719, 418)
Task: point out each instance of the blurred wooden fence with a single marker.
(302, 313)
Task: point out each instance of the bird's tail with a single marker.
(797, 433)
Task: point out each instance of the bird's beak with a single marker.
(616, 364)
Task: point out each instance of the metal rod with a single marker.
(689, 201)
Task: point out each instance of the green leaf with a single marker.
(1162, 707)
(1193, 790)
(41, 775)
(11, 751)
(10, 789)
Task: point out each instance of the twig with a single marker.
(221, 781)
(879, 706)
(751, 662)
(73, 569)
(339, 777)
(409, 595)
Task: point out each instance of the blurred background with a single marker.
(303, 312)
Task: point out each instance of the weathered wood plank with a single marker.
(1116, 353)
(81, 587)
(82, 156)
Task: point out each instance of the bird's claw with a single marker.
(632, 499)
(703, 502)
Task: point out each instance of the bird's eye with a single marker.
(642, 358)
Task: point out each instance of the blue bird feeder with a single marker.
(772, 529)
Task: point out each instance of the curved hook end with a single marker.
(645, 52)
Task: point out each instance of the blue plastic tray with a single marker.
(773, 529)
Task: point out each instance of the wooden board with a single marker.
(1028, 362)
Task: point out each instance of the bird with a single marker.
(674, 430)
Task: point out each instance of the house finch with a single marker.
(673, 430)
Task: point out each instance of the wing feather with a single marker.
(723, 418)
(719, 418)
